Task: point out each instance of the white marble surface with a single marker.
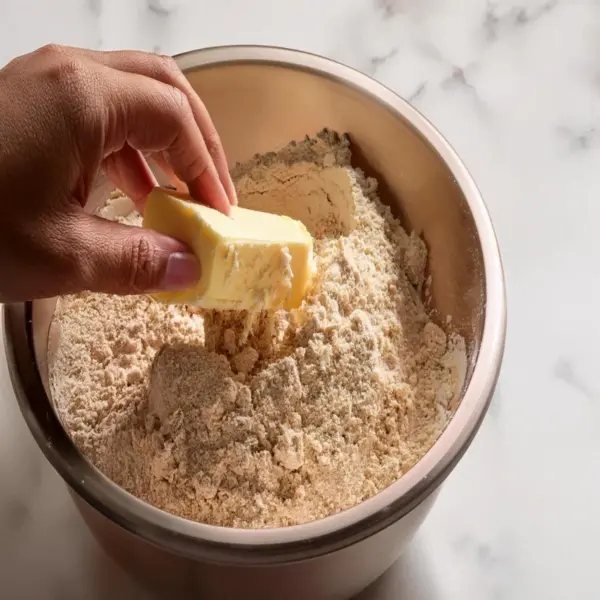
(515, 86)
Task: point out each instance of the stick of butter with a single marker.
(249, 260)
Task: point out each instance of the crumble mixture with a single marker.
(269, 419)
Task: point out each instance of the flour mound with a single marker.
(277, 418)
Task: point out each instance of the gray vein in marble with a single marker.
(496, 565)
(159, 14)
(491, 23)
(376, 62)
(458, 77)
(393, 8)
(162, 8)
(95, 7)
(563, 370)
(486, 555)
(418, 93)
(516, 17)
(389, 8)
(578, 140)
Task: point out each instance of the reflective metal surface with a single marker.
(260, 98)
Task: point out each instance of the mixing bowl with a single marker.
(260, 98)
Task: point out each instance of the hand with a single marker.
(65, 113)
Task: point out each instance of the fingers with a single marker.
(152, 116)
(114, 258)
(165, 167)
(129, 171)
(74, 252)
(165, 69)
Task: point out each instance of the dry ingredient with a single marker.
(270, 419)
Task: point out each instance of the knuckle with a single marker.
(68, 72)
(51, 50)
(179, 101)
(162, 68)
(168, 64)
(142, 261)
(73, 85)
(71, 71)
(194, 167)
(213, 143)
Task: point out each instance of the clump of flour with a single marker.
(286, 417)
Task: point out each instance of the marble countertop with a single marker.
(515, 87)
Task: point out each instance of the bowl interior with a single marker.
(259, 107)
(261, 98)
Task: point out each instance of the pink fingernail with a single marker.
(183, 271)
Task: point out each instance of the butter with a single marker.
(249, 260)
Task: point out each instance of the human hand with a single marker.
(65, 113)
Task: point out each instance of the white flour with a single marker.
(286, 417)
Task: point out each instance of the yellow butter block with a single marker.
(249, 260)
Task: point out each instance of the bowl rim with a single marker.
(283, 544)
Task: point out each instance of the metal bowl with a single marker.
(260, 98)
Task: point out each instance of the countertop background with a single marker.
(515, 87)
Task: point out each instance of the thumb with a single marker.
(121, 259)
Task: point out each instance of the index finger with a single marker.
(154, 117)
(166, 70)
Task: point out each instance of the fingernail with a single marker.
(183, 271)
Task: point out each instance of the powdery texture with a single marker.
(269, 419)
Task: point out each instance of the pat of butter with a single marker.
(249, 260)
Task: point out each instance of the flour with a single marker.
(276, 418)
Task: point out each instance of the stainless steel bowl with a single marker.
(260, 98)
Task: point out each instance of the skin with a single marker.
(65, 115)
